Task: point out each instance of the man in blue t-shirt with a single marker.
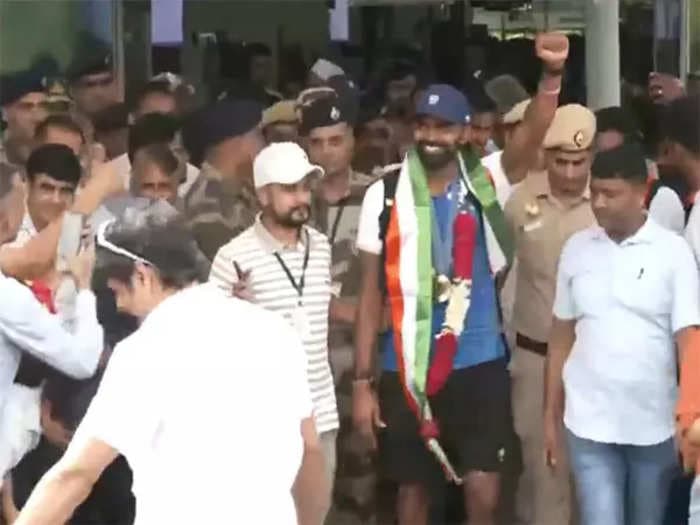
(472, 409)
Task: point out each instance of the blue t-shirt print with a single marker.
(481, 340)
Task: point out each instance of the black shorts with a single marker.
(474, 416)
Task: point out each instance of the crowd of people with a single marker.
(424, 303)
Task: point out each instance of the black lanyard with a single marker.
(336, 221)
(299, 287)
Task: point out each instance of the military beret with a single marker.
(572, 129)
(348, 92)
(282, 112)
(517, 112)
(90, 64)
(15, 86)
(322, 112)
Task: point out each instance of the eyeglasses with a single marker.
(103, 242)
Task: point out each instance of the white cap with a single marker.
(325, 69)
(282, 163)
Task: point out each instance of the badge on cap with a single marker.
(578, 138)
(433, 99)
(335, 114)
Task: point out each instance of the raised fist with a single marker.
(552, 49)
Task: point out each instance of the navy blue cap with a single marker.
(446, 103)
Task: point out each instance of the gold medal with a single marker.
(441, 288)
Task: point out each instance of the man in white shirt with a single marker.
(627, 290)
(26, 326)
(53, 173)
(285, 265)
(230, 426)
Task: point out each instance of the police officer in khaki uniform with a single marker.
(221, 203)
(544, 211)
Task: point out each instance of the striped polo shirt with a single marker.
(254, 250)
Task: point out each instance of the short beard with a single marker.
(435, 161)
(296, 217)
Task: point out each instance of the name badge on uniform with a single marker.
(527, 228)
(300, 322)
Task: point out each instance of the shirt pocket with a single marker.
(644, 289)
(590, 289)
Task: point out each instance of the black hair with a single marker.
(162, 156)
(681, 123)
(69, 398)
(153, 128)
(615, 118)
(624, 162)
(62, 121)
(169, 247)
(56, 161)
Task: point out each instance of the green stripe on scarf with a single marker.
(486, 194)
(424, 301)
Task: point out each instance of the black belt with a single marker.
(537, 347)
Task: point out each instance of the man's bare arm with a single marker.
(561, 341)
(67, 483)
(520, 154)
(36, 258)
(369, 314)
(342, 311)
(312, 488)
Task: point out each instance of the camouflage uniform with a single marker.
(217, 210)
(354, 498)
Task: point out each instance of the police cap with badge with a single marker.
(572, 129)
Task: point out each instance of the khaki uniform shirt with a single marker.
(541, 226)
(217, 210)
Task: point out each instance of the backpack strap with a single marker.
(390, 182)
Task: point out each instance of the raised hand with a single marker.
(553, 50)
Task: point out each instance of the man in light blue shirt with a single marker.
(627, 291)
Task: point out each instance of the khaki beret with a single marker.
(572, 129)
(283, 111)
(516, 113)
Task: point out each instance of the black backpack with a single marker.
(390, 182)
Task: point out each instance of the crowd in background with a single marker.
(296, 202)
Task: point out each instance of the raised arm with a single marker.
(25, 322)
(520, 154)
(36, 258)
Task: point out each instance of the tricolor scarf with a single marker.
(409, 276)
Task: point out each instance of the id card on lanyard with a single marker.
(298, 316)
